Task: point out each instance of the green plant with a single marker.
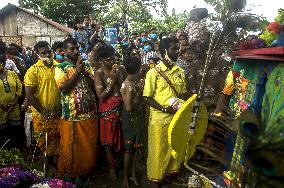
(13, 157)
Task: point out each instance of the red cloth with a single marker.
(110, 126)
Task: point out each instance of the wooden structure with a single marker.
(259, 75)
(20, 26)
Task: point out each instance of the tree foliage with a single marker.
(167, 23)
(233, 20)
(108, 11)
(138, 13)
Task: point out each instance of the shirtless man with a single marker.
(108, 81)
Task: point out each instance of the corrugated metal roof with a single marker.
(10, 7)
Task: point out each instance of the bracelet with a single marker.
(164, 109)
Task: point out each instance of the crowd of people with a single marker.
(83, 91)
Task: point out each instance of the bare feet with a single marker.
(125, 183)
(134, 179)
(112, 174)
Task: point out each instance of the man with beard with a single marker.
(157, 93)
(43, 94)
(108, 81)
(79, 125)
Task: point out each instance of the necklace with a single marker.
(108, 80)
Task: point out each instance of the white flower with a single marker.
(39, 173)
(40, 185)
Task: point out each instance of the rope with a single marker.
(196, 105)
(5, 144)
(45, 156)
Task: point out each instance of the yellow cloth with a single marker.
(42, 77)
(40, 127)
(16, 89)
(160, 161)
(229, 84)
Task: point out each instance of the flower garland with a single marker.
(273, 29)
(58, 183)
(15, 176)
(239, 104)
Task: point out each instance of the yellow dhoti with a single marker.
(160, 162)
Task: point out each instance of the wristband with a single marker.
(164, 109)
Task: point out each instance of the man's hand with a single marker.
(11, 106)
(48, 114)
(169, 110)
(80, 65)
(8, 106)
(114, 73)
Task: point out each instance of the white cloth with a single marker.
(27, 125)
(10, 65)
(146, 56)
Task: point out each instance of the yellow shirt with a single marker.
(42, 77)
(13, 88)
(158, 88)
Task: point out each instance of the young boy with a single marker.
(132, 116)
(58, 48)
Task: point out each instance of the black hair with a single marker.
(143, 32)
(154, 29)
(105, 51)
(3, 50)
(56, 45)
(134, 33)
(41, 44)
(87, 17)
(166, 43)
(132, 64)
(19, 48)
(3, 47)
(162, 34)
(69, 40)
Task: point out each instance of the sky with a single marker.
(266, 8)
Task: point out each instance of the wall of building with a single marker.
(29, 25)
(1, 28)
(20, 24)
(9, 25)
